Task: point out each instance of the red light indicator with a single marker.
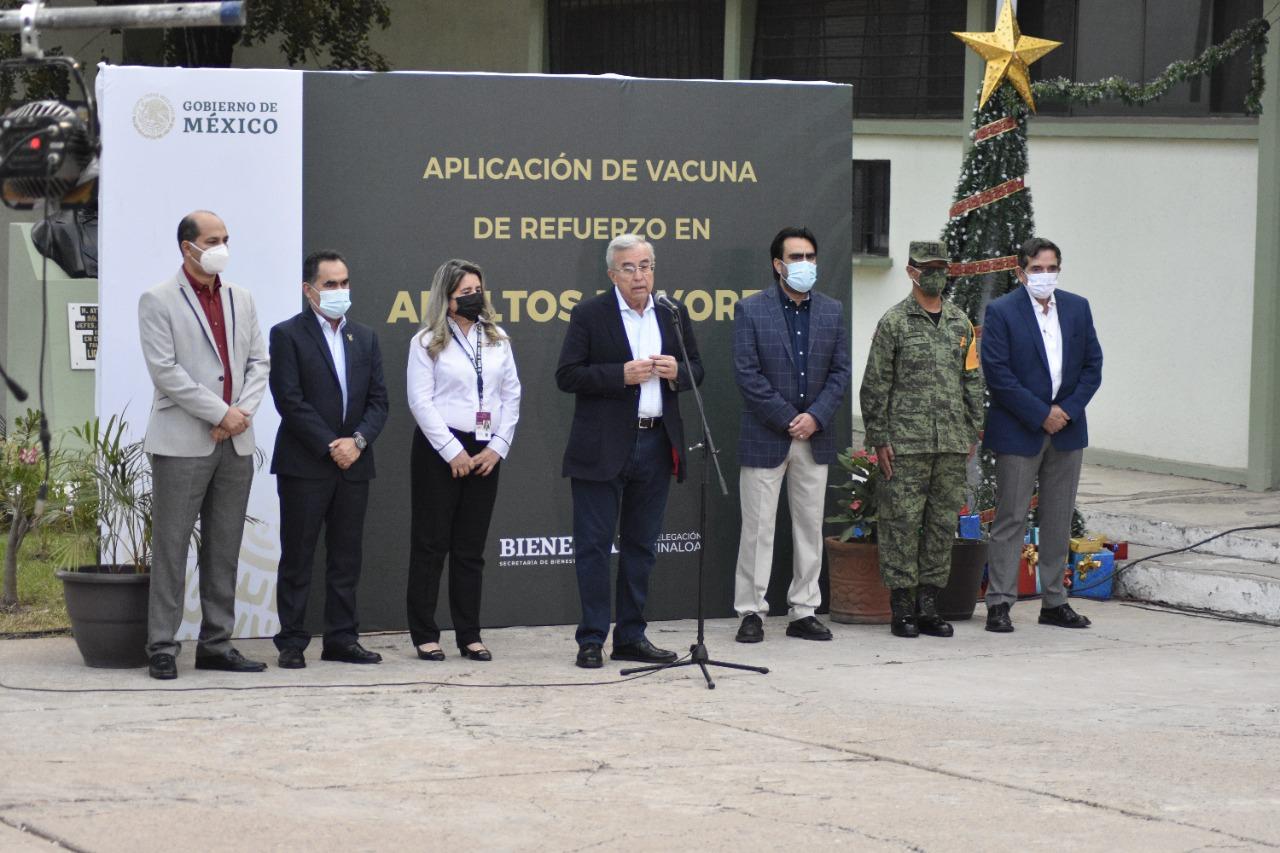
(35, 143)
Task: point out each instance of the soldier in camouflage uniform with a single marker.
(922, 410)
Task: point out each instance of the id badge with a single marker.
(484, 426)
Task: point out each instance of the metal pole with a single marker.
(225, 13)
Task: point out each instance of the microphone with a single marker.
(667, 302)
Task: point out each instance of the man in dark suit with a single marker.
(327, 383)
(620, 360)
(1042, 363)
(791, 362)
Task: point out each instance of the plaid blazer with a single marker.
(763, 366)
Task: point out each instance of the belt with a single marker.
(649, 423)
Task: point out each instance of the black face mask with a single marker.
(471, 306)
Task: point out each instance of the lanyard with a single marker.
(477, 363)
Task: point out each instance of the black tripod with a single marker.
(698, 651)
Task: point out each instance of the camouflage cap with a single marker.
(924, 251)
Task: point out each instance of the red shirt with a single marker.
(211, 301)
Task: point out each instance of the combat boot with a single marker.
(903, 604)
(929, 621)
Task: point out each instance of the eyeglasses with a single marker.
(630, 270)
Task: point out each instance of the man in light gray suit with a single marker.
(209, 365)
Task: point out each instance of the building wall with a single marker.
(1159, 235)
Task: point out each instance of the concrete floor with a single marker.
(1152, 731)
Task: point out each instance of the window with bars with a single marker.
(899, 55)
(681, 39)
(871, 207)
(1136, 40)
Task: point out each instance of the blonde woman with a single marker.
(465, 397)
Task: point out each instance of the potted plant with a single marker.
(110, 546)
(858, 594)
(22, 471)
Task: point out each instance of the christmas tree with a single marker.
(991, 215)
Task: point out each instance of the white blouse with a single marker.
(442, 393)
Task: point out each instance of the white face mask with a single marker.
(334, 304)
(801, 276)
(1042, 284)
(213, 260)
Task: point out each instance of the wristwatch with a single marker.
(361, 444)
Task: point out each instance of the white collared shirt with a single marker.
(645, 339)
(1051, 334)
(337, 349)
(442, 393)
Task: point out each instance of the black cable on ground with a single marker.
(236, 688)
(1121, 569)
(1194, 612)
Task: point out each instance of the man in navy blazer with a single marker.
(620, 360)
(327, 383)
(1042, 364)
(791, 363)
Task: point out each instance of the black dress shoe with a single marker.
(751, 630)
(589, 656)
(162, 666)
(481, 654)
(998, 620)
(354, 653)
(1063, 616)
(232, 661)
(291, 659)
(434, 654)
(808, 628)
(643, 651)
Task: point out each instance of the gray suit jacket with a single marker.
(186, 370)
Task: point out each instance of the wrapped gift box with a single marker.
(1093, 575)
(1028, 576)
(1120, 549)
(1087, 544)
(970, 527)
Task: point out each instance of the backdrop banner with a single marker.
(529, 176)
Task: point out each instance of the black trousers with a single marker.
(450, 518)
(305, 506)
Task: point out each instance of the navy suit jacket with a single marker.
(1016, 368)
(304, 384)
(764, 367)
(605, 410)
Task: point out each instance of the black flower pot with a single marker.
(108, 610)
(959, 599)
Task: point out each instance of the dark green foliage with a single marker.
(993, 231)
(997, 229)
(1252, 35)
(311, 28)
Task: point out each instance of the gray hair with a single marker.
(623, 242)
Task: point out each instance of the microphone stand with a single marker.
(698, 655)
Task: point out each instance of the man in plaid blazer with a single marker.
(791, 363)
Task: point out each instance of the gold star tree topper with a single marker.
(1007, 53)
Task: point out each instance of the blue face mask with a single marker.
(334, 304)
(802, 276)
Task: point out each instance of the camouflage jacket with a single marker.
(922, 390)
